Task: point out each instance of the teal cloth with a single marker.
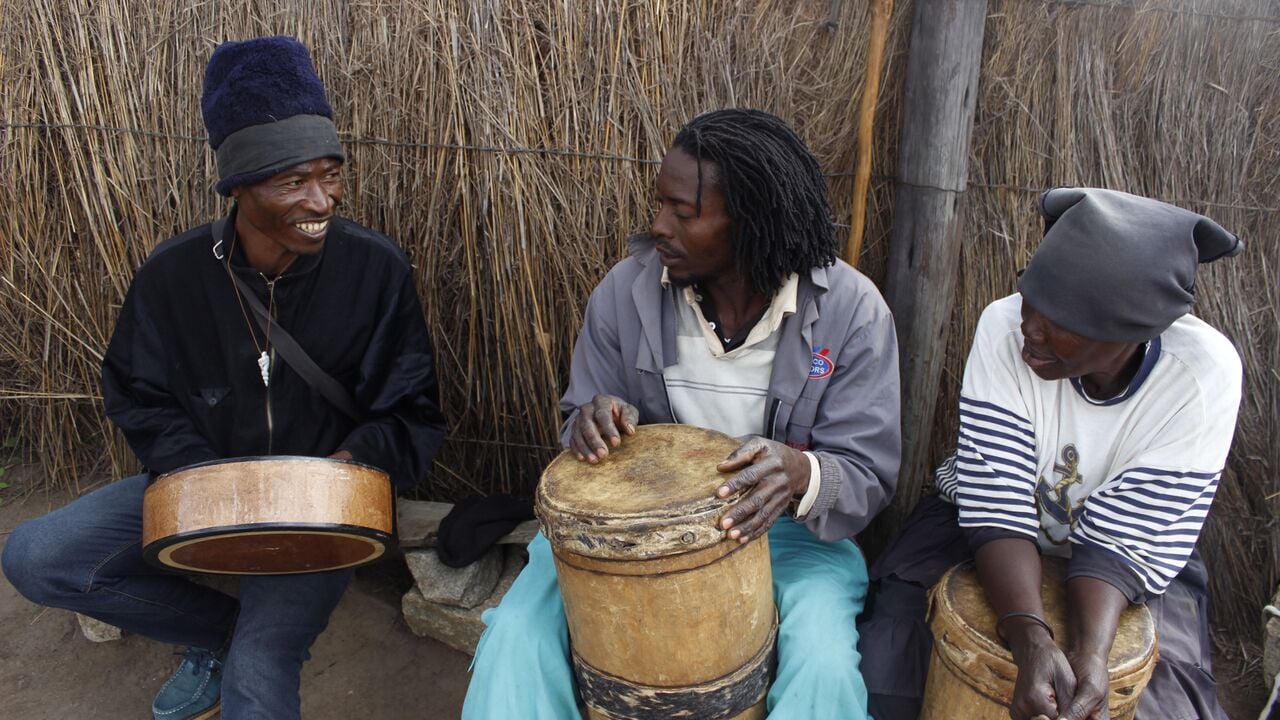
(522, 669)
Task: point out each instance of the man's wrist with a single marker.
(1021, 634)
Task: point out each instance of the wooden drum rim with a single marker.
(607, 534)
(159, 552)
(262, 458)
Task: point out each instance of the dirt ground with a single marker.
(367, 665)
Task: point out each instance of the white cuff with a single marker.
(815, 484)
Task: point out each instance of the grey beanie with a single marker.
(1118, 267)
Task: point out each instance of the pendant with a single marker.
(264, 365)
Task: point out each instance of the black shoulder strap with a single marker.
(293, 353)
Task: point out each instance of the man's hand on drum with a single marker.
(773, 474)
(1046, 682)
(1092, 685)
(600, 425)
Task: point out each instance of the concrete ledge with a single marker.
(418, 524)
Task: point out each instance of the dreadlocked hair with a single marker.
(773, 190)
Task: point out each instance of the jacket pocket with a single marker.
(798, 429)
(212, 397)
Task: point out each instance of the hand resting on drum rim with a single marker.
(772, 473)
(1053, 684)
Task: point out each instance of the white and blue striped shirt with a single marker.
(1133, 475)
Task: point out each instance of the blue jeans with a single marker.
(87, 557)
(522, 668)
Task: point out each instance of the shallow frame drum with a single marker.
(275, 515)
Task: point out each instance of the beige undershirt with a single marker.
(747, 367)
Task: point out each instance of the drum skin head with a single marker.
(268, 516)
(660, 468)
(1135, 637)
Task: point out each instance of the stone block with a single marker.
(463, 587)
(96, 630)
(459, 628)
(1271, 640)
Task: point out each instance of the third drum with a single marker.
(971, 674)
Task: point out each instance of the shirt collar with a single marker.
(782, 305)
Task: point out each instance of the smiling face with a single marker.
(288, 214)
(1054, 353)
(692, 242)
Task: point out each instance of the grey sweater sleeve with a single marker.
(597, 366)
(857, 435)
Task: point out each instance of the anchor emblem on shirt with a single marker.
(1053, 499)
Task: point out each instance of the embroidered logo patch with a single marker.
(821, 366)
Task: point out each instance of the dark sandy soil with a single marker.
(367, 665)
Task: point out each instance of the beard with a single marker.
(684, 281)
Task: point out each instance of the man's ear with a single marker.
(235, 192)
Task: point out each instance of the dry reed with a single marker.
(509, 147)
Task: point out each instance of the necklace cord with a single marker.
(264, 360)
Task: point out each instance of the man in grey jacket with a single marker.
(733, 314)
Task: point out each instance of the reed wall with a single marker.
(510, 147)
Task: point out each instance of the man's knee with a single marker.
(536, 620)
(29, 560)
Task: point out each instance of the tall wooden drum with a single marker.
(267, 516)
(971, 674)
(667, 618)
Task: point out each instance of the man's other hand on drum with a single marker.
(773, 476)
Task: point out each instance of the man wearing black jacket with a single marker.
(191, 376)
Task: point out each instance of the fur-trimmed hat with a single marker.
(265, 110)
(1118, 267)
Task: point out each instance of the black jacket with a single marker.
(181, 378)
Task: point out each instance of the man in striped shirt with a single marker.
(1095, 418)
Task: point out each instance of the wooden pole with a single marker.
(881, 12)
(933, 162)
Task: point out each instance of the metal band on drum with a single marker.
(721, 698)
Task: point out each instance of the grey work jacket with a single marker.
(833, 390)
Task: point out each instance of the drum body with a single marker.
(267, 516)
(972, 675)
(667, 618)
